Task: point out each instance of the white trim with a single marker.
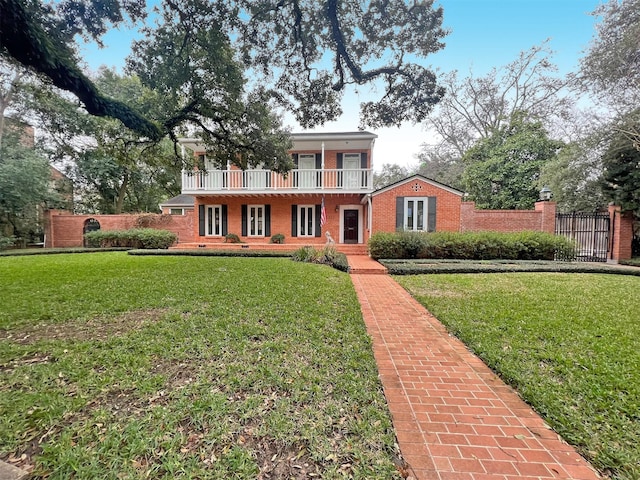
(425, 214)
(360, 209)
(212, 227)
(256, 228)
(299, 224)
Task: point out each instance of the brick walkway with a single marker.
(454, 418)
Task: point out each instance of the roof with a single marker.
(418, 177)
(361, 140)
(180, 201)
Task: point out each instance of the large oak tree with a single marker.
(301, 54)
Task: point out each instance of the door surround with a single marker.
(360, 210)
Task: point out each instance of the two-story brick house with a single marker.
(332, 171)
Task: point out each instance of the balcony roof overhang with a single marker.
(310, 141)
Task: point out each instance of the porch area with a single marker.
(310, 180)
(347, 249)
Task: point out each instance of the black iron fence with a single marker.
(589, 230)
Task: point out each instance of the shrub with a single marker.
(133, 238)
(327, 256)
(277, 238)
(6, 242)
(232, 238)
(472, 246)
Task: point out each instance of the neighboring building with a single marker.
(333, 171)
(178, 205)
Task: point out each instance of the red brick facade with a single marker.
(447, 205)
(280, 212)
(541, 219)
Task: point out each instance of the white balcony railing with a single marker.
(266, 181)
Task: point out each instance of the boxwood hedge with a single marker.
(471, 246)
(133, 238)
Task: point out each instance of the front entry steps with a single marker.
(365, 265)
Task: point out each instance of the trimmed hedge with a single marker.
(420, 267)
(133, 238)
(472, 246)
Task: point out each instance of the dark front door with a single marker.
(350, 221)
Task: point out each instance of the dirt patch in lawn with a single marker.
(98, 328)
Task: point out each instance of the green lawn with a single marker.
(569, 343)
(115, 366)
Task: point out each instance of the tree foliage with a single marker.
(25, 187)
(610, 71)
(621, 178)
(301, 54)
(442, 165)
(502, 171)
(391, 173)
(574, 176)
(113, 168)
(475, 107)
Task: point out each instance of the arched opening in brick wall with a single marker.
(90, 225)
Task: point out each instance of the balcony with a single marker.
(196, 182)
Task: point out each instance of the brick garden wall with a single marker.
(63, 229)
(541, 219)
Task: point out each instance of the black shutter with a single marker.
(318, 167)
(243, 210)
(294, 220)
(201, 220)
(225, 228)
(399, 213)
(318, 214)
(339, 160)
(267, 220)
(363, 165)
(295, 167)
(431, 214)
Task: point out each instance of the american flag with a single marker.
(323, 214)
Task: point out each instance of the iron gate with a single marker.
(589, 230)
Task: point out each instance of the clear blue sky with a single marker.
(484, 34)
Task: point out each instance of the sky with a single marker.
(483, 34)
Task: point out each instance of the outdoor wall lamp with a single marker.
(545, 194)
(337, 208)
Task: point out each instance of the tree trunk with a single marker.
(122, 191)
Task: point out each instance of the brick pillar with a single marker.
(620, 234)
(547, 216)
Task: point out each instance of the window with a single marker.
(351, 165)
(176, 211)
(306, 170)
(306, 220)
(415, 213)
(256, 220)
(213, 222)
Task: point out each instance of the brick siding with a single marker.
(447, 206)
(541, 219)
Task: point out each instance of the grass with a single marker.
(568, 343)
(118, 366)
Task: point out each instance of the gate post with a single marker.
(620, 234)
(547, 210)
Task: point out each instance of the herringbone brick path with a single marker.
(453, 417)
